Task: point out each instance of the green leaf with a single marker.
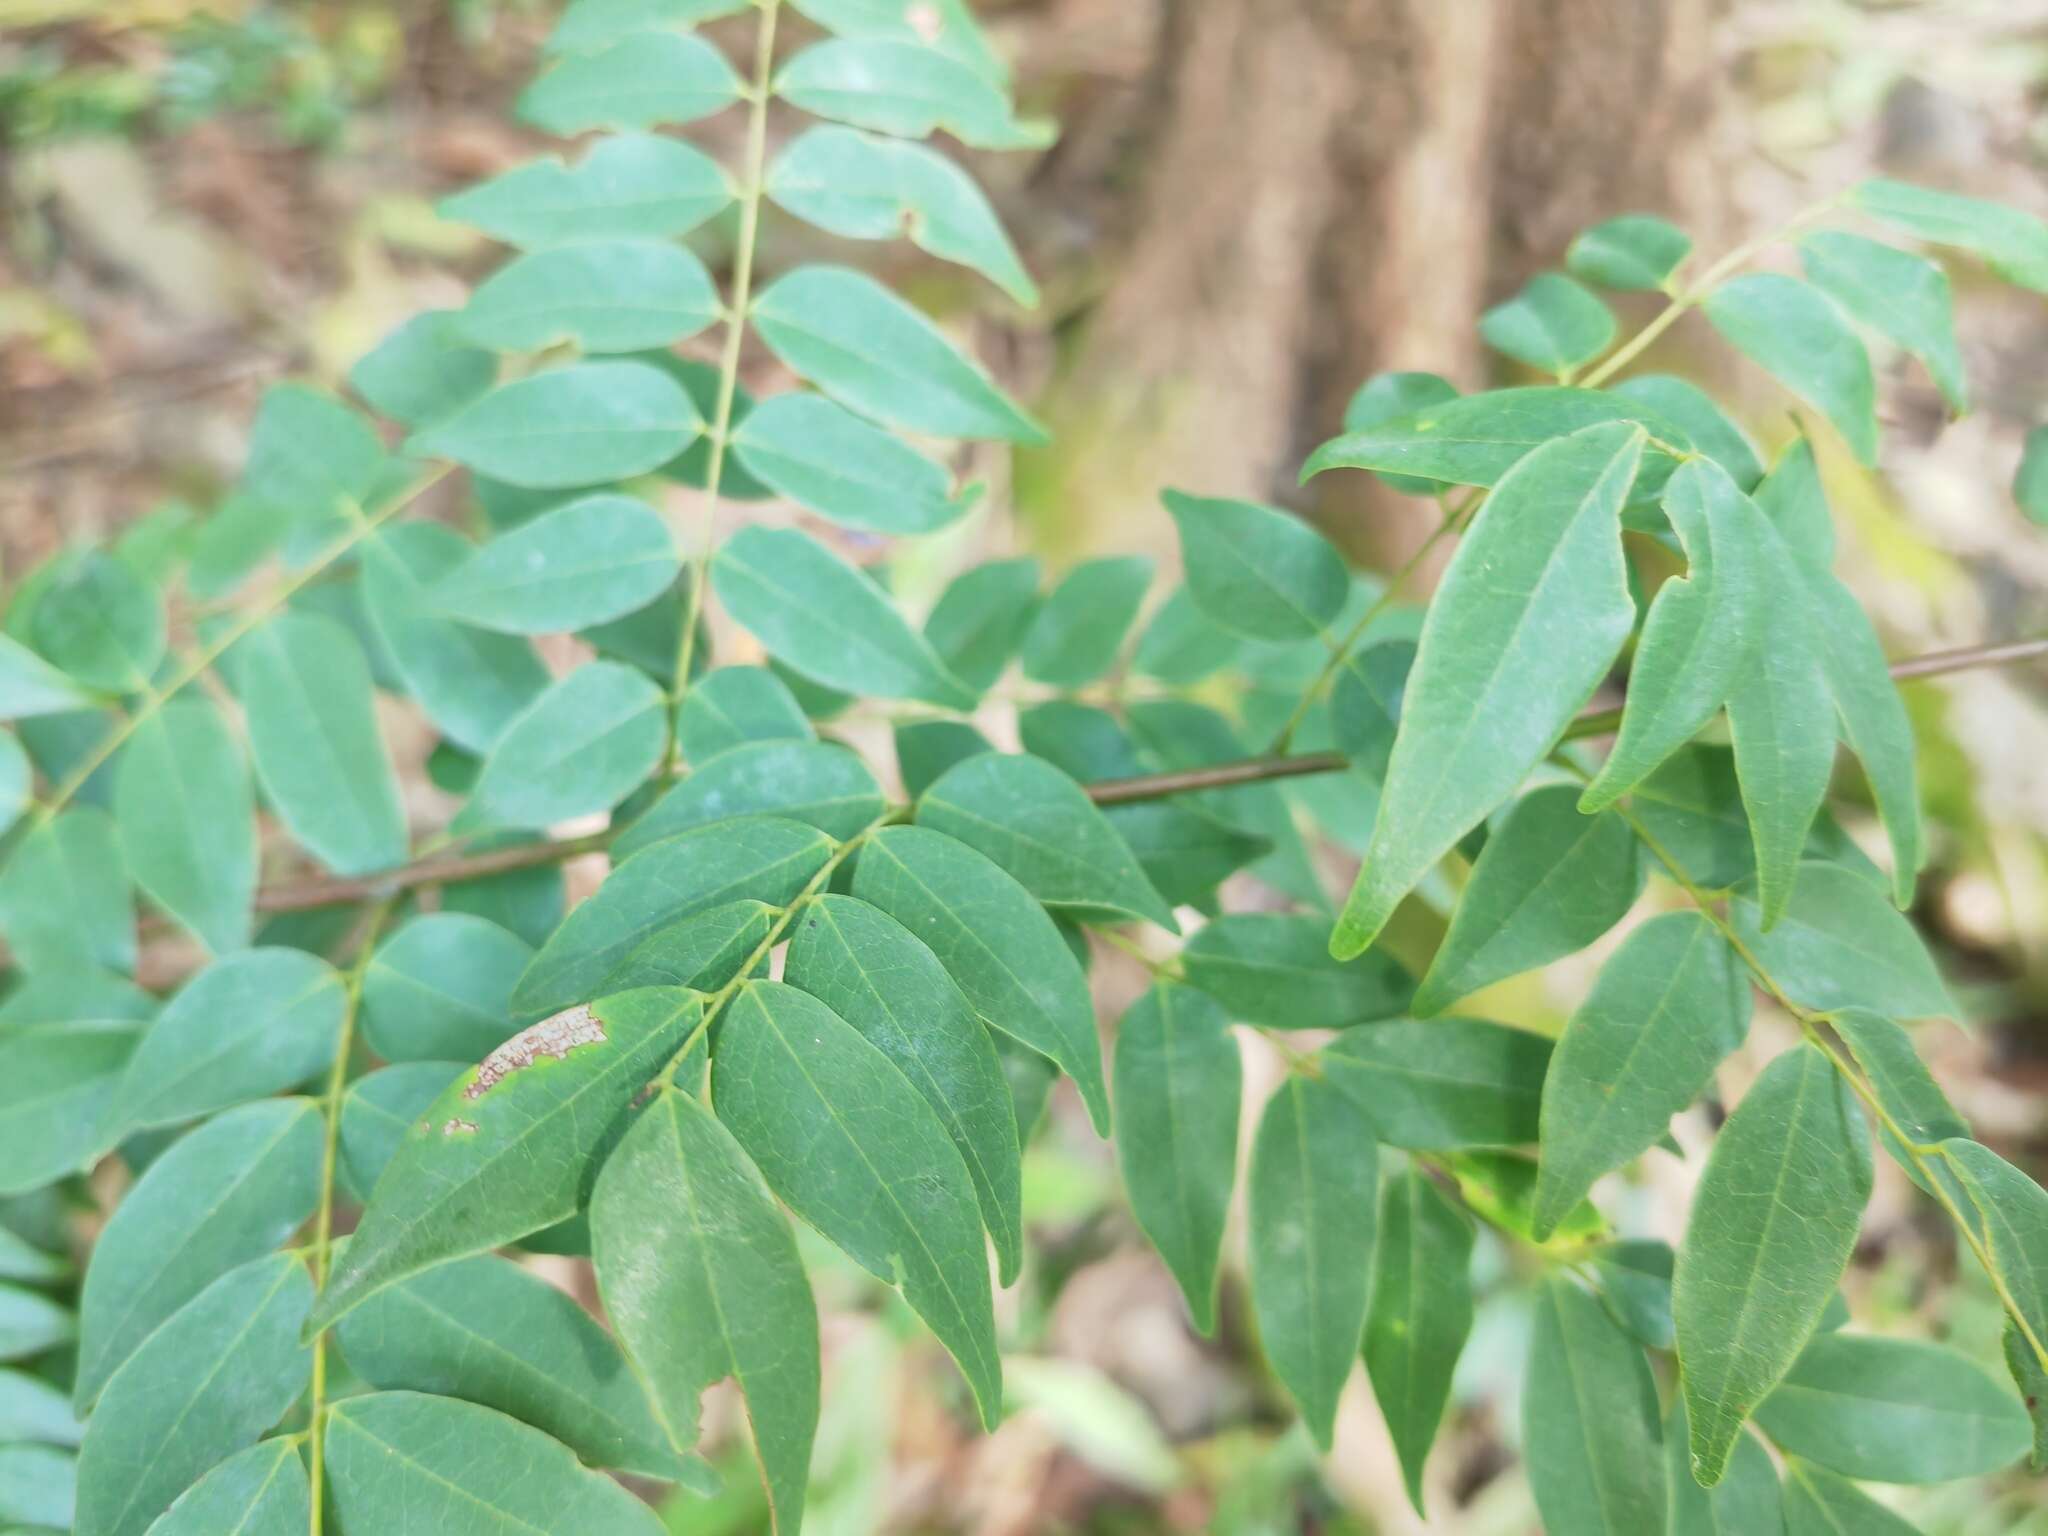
(1548, 883)
(582, 746)
(305, 688)
(829, 460)
(867, 1163)
(1274, 969)
(926, 749)
(1256, 571)
(945, 25)
(874, 353)
(21, 1259)
(643, 81)
(1670, 1004)
(2031, 1377)
(470, 683)
(1704, 422)
(828, 621)
(31, 1324)
(995, 941)
(1313, 1203)
(406, 1464)
(1420, 1316)
(1794, 333)
(227, 1194)
(252, 1023)
(1894, 1411)
(702, 1280)
(581, 564)
(2014, 244)
(1818, 1503)
(1635, 1283)
(1702, 633)
(1590, 1427)
(1040, 827)
(1182, 645)
(1075, 636)
(906, 89)
(55, 1084)
(440, 989)
(2013, 1210)
(759, 858)
(703, 952)
(1773, 1224)
(1903, 297)
(880, 978)
(314, 465)
(1901, 1084)
(609, 296)
(258, 1492)
(31, 1410)
(981, 619)
(1390, 396)
(630, 186)
(1178, 1084)
(1746, 1500)
(1482, 705)
(1842, 945)
(99, 622)
(64, 902)
(37, 1484)
(1635, 252)
(1553, 324)
(1499, 1187)
(1365, 704)
(578, 425)
(860, 187)
(819, 783)
(1443, 1084)
(587, 26)
(512, 1144)
(423, 370)
(30, 686)
(2030, 480)
(731, 705)
(186, 810)
(489, 1332)
(377, 1111)
(200, 1388)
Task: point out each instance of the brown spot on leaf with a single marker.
(556, 1036)
(455, 1127)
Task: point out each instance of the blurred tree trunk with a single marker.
(1304, 192)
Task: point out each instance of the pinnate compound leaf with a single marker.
(1274, 969)
(819, 783)
(1746, 1499)
(981, 619)
(1669, 1006)
(582, 746)
(258, 1492)
(1443, 1084)
(608, 296)
(702, 1280)
(583, 424)
(1840, 944)
(2013, 243)
(1590, 1426)
(731, 705)
(1178, 1084)
(641, 81)
(1791, 330)
(1081, 625)
(511, 1145)
(1256, 571)
(1773, 1224)
(1553, 324)
(186, 809)
(1635, 252)
(630, 186)
(1549, 881)
(1313, 1207)
(406, 1464)
(56, 1082)
(595, 559)
(905, 89)
(440, 988)
(865, 1161)
(843, 468)
(1903, 297)
(1420, 1316)
(1485, 702)
(1820, 1503)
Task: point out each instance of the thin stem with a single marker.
(1164, 970)
(307, 894)
(735, 336)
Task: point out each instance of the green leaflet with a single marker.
(1902, 297)
(628, 186)
(906, 89)
(1636, 251)
(1894, 1411)
(843, 468)
(1773, 1224)
(186, 809)
(1548, 883)
(2014, 244)
(31, 1324)
(1039, 826)
(1553, 324)
(64, 902)
(1365, 704)
(641, 81)
(819, 783)
(423, 369)
(1842, 945)
(30, 686)
(1256, 571)
(761, 858)
(1181, 644)
(511, 1145)
(611, 296)
(1420, 1316)
(305, 688)
(2031, 1377)
(1178, 1084)
(1081, 625)
(489, 1332)
(1789, 329)
(204, 1385)
(731, 705)
(876, 354)
(1483, 705)
(981, 618)
(585, 744)
(1746, 1500)
(251, 1023)
(702, 1280)
(33, 1411)
(440, 988)
(1704, 422)
(225, 1195)
(1818, 1503)
(1590, 1426)
(587, 26)
(20, 1259)
(1313, 1200)
(947, 26)
(996, 943)
(99, 622)
(1499, 1186)
(1901, 1084)
(703, 952)
(2013, 1211)
(258, 1492)
(1274, 969)
(582, 424)
(68, 996)
(828, 621)
(314, 464)
(1668, 1007)
(377, 1111)
(1702, 633)
(926, 749)
(37, 1483)
(1635, 1283)
(2030, 480)
(866, 1162)
(55, 1084)
(1443, 1084)
(1388, 397)
(405, 1464)
(865, 188)
(574, 566)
